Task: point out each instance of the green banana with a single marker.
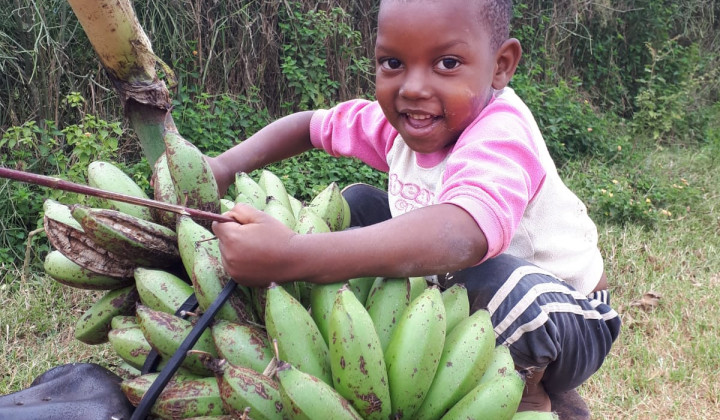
(93, 326)
(295, 205)
(184, 396)
(65, 271)
(387, 300)
(189, 233)
(361, 287)
(309, 398)
(123, 321)
(498, 399)
(107, 176)
(242, 388)
(163, 190)
(220, 417)
(130, 345)
(328, 204)
(226, 205)
(308, 222)
(242, 344)
(61, 213)
(500, 364)
(466, 354)
(280, 212)
(135, 388)
(257, 300)
(356, 357)
(298, 339)
(145, 243)
(417, 286)
(192, 176)
(161, 290)
(414, 352)
(274, 187)
(457, 304)
(208, 280)
(189, 398)
(125, 371)
(165, 333)
(322, 299)
(241, 198)
(347, 216)
(252, 193)
(69, 239)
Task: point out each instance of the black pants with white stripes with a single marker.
(544, 321)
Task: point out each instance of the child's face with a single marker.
(434, 69)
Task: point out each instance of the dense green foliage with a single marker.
(605, 82)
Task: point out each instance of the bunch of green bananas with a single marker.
(370, 348)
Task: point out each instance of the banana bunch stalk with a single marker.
(126, 54)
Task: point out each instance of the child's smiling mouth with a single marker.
(419, 122)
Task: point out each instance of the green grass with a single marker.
(665, 364)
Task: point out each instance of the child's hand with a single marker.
(255, 251)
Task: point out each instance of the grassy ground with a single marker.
(665, 283)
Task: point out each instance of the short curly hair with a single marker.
(494, 14)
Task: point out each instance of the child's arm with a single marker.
(283, 138)
(431, 240)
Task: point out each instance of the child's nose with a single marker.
(415, 85)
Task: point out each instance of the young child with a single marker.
(473, 195)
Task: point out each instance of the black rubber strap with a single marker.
(169, 370)
(153, 358)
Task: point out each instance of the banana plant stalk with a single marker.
(126, 54)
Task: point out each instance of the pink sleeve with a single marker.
(494, 171)
(355, 128)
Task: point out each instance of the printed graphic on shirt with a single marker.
(411, 186)
(407, 196)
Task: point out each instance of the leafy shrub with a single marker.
(311, 40)
(571, 127)
(669, 106)
(629, 192)
(215, 123)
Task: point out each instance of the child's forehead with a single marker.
(473, 6)
(457, 10)
(431, 15)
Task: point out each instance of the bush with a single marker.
(571, 127)
(215, 123)
(62, 152)
(673, 103)
(629, 192)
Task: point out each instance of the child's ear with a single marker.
(506, 62)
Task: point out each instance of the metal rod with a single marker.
(61, 184)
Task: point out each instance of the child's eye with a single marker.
(448, 63)
(390, 63)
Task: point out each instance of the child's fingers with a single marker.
(245, 214)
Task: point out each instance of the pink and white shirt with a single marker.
(499, 171)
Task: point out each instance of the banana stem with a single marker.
(126, 54)
(61, 184)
